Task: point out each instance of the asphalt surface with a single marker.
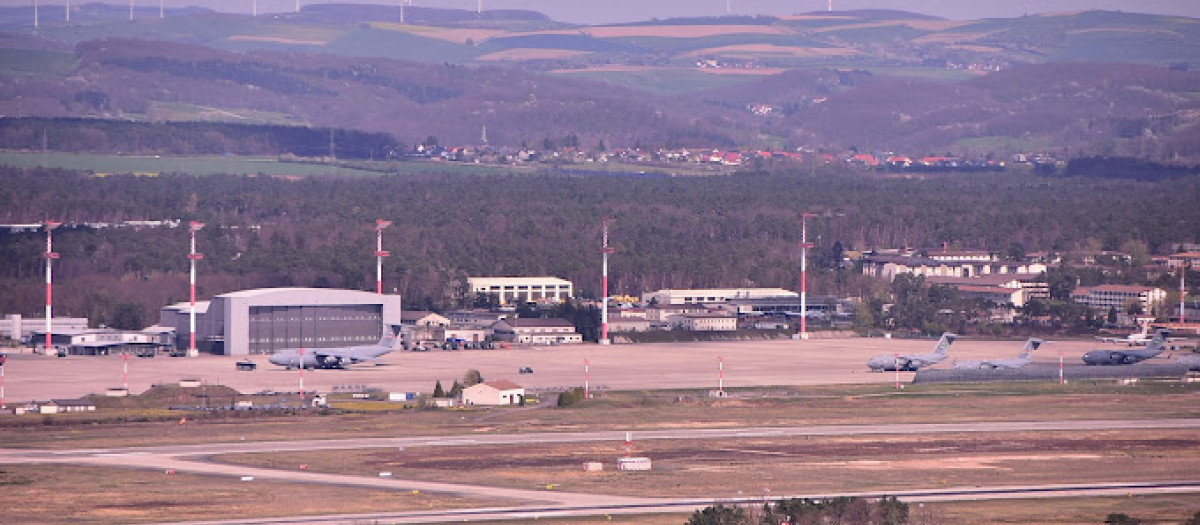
(655, 366)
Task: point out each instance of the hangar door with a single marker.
(277, 327)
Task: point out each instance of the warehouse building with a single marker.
(265, 320)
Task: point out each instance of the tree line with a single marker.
(191, 138)
(735, 231)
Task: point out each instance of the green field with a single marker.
(151, 165)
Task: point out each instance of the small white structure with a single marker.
(494, 393)
(189, 383)
(641, 463)
(593, 466)
(116, 392)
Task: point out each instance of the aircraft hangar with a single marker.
(262, 321)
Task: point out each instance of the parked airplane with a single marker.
(910, 363)
(336, 357)
(1191, 361)
(1126, 357)
(1023, 358)
(1134, 339)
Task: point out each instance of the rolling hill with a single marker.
(1081, 83)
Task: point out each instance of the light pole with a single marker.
(193, 227)
(380, 224)
(49, 256)
(720, 376)
(586, 390)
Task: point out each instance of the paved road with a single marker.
(191, 459)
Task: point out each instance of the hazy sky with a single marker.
(603, 11)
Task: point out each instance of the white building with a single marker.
(13, 326)
(713, 295)
(708, 322)
(887, 267)
(1119, 296)
(536, 331)
(493, 393)
(523, 289)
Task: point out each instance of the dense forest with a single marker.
(740, 230)
(191, 138)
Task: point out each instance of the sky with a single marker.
(610, 11)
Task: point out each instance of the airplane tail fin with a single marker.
(1030, 347)
(391, 336)
(943, 345)
(1159, 343)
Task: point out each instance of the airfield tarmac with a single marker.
(618, 367)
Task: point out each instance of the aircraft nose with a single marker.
(276, 359)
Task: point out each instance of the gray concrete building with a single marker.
(265, 320)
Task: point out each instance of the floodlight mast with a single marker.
(49, 256)
(193, 227)
(380, 224)
(804, 246)
(605, 250)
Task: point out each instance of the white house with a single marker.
(493, 393)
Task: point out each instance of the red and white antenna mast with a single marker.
(605, 250)
(804, 246)
(50, 256)
(193, 227)
(1182, 292)
(380, 224)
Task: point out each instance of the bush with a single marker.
(718, 515)
(571, 397)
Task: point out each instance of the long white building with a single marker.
(713, 295)
(523, 289)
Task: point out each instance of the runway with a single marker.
(529, 504)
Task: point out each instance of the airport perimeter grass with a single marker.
(645, 410)
(799, 465)
(52, 494)
(725, 468)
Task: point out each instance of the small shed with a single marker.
(494, 393)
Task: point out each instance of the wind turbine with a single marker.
(404, 3)
(479, 8)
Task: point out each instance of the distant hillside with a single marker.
(1078, 107)
(139, 80)
(1091, 83)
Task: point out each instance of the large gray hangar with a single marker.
(265, 320)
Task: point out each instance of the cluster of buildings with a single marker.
(713, 157)
(263, 321)
(1010, 285)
